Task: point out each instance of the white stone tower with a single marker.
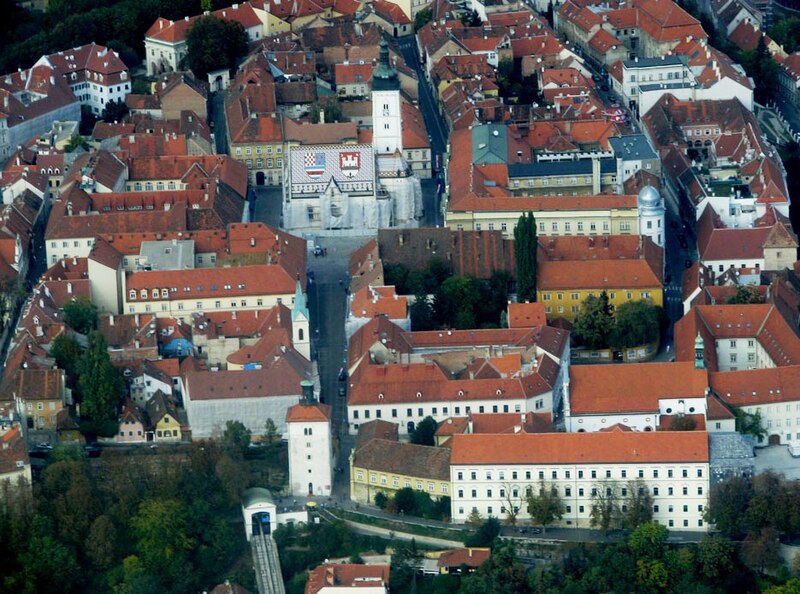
(651, 215)
(310, 446)
(387, 126)
(301, 323)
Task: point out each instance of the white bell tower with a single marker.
(387, 126)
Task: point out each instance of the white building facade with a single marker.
(490, 472)
(308, 425)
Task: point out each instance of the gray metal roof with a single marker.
(256, 495)
(632, 147)
(653, 62)
(580, 167)
(489, 144)
(167, 255)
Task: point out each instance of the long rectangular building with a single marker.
(489, 472)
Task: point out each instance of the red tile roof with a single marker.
(526, 315)
(373, 301)
(631, 388)
(205, 283)
(757, 387)
(308, 413)
(597, 275)
(615, 447)
(471, 557)
(346, 576)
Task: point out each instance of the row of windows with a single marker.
(582, 510)
(198, 259)
(75, 243)
(515, 491)
(40, 406)
(611, 295)
(268, 149)
(418, 484)
(148, 187)
(554, 474)
(496, 408)
(260, 163)
(148, 308)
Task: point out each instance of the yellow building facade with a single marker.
(556, 216)
(567, 303)
(386, 466)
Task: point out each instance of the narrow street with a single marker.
(218, 120)
(427, 102)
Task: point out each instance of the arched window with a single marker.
(300, 334)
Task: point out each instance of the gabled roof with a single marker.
(716, 322)
(308, 413)
(615, 447)
(632, 388)
(757, 387)
(418, 461)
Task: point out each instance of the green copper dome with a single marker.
(384, 77)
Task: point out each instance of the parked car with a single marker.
(604, 88)
(342, 375)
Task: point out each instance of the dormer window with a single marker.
(164, 293)
(144, 293)
(133, 294)
(155, 293)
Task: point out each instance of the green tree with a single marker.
(236, 437)
(100, 384)
(474, 519)
(790, 587)
(681, 422)
(329, 108)
(605, 510)
(422, 18)
(715, 558)
(160, 530)
(594, 323)
(526, 246)
(786, 33)
(635, 323)
(501, 574)
(422, 314)
(405, 501)
(214, 44)
(638, 504)
(648, 541)
(115, 111)
(76, 142)
(81, 315)
(424, 432)
(381, 500)
(67, 353)
(43, 560)
(727, 505)
(761, 549)
(396, 275)
(746, 294)
(471, 19)
(750, 423)
(101, 543)
(456, 301)
(544, 505)
(485, 534)
(271, 439)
